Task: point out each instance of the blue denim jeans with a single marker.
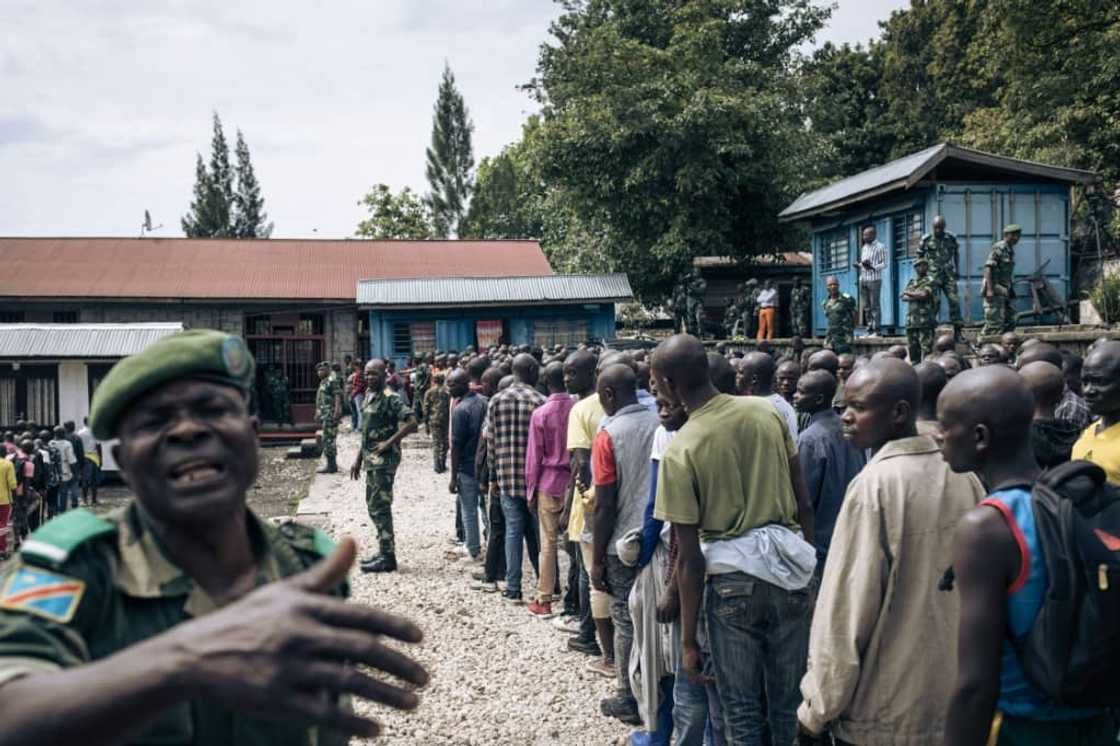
(759, 639)
(520, 527)
(356, 411)
(696, 715)
(468, 504)
(620, 579)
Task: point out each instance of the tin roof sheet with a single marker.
(459, 291)
(905, 172)
(80, 340)
(254, 269)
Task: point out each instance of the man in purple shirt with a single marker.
(547, 476)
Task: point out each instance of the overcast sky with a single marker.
(103, 103)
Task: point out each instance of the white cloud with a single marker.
(106, 101)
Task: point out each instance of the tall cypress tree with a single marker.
(248, 205)
(198, 223)
(219, 209)
(450, 158)
(221, 182)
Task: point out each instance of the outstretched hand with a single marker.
(288, 650)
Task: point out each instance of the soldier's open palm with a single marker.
(287, 650)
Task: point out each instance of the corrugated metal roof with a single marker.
(280, 269)
(785, 258)
(80, 340)
(459, 291)
(905, 172)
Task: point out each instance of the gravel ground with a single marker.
(498, 675)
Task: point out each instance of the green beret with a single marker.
(1012, 228)
(197, 353)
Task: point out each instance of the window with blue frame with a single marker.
(906, 230)
(835, 251)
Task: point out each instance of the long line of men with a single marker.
(756, 543)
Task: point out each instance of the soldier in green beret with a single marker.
(328, 410)
(183, 618)
(921, 316)
(840, 311)
(800, 301)
(998, 287)
(386, 421)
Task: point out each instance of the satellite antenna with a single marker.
(146, 226)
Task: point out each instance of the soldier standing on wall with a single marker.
(696, 286)
(921, 317)
(998, 287)
(840, 310)
(799, 302)
(940, 250)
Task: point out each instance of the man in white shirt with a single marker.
(767, 310)
(756, 378)
(872, 261)
(90, 459)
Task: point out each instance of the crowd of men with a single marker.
(758, 544)
(44, 471)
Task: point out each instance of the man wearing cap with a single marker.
(328, 410)
(998, 287)
(941, 250)
(386, 421)
(921, 317)
(182, 617)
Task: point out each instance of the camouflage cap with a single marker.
(1012, 228)
(196, 353)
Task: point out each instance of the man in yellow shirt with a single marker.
(1100, 383)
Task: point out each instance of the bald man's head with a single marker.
(945, 343)
(756, 374)
(932, 379)
(579, 372)
(825, 360)
(680, 367)
(1043, 351)
(721, 374)
(1047, 386)
(526, 369)
(554, 377)
(617, 387)
(985, 416)
(1100, 381)
(882, 403)
(815, 391)
(898, 351)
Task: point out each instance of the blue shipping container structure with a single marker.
(422, 315)
(977, 192)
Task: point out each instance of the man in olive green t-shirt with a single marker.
(731, 470)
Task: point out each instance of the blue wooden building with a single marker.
(422, 315)
(977, 192)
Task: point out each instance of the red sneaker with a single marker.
(544, 611)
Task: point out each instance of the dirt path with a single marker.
(499, 676)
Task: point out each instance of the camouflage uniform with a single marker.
(420, 390)
(695, 287)
(999, 316)
(437, 404)
(921, 317)
(279, 395)
(841, 315)
(324, 411)
(750, 311)
(383, 414)
(799, 302)
(941, 254)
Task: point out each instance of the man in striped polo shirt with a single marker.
(872, 260)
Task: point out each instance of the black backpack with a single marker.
(1072, 652)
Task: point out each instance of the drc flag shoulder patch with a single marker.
(43, 593)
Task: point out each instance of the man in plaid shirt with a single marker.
(507, 432)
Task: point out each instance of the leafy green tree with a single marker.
(508, 192)
(450, 159)
(668, 130)
(200, 221)
(249, 217)
(845, 107)
(402, 215)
